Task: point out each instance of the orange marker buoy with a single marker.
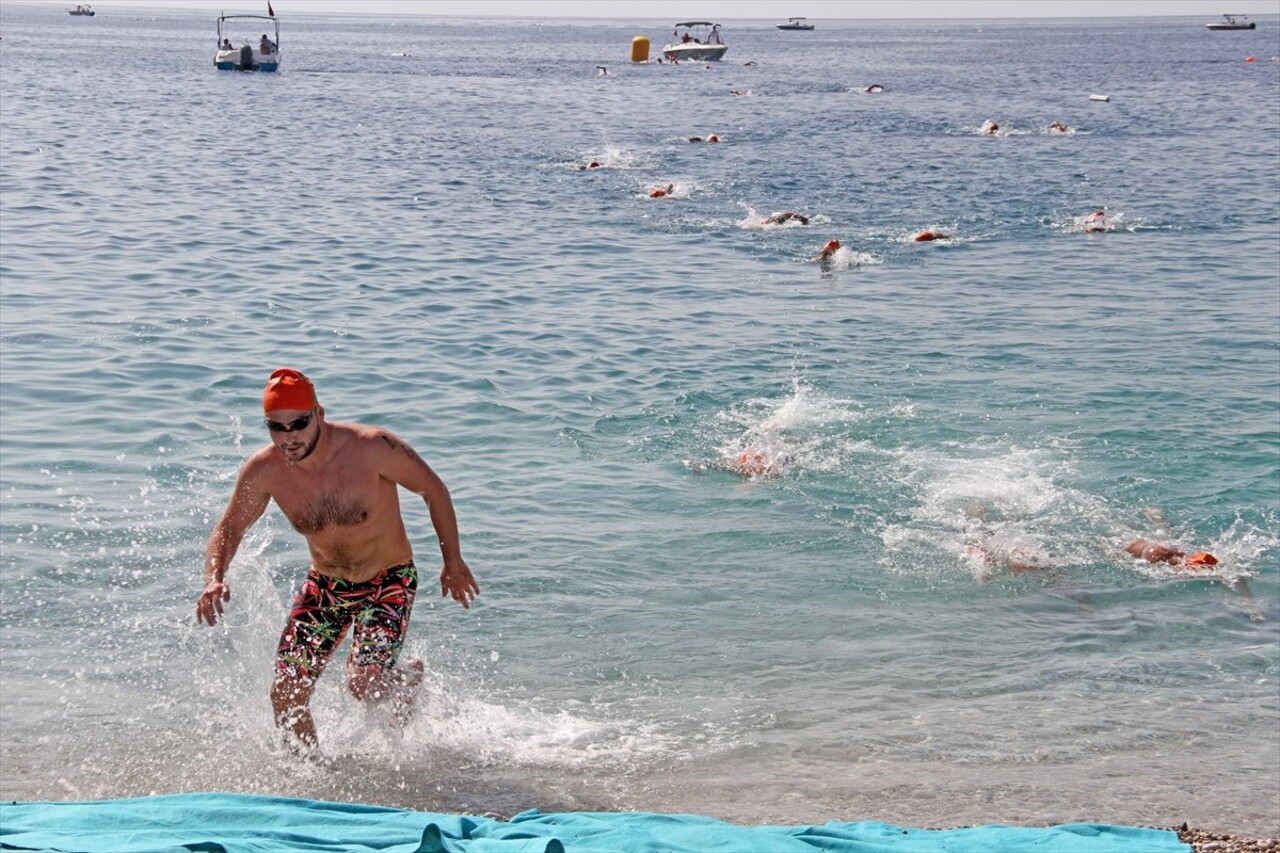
(1248, 59)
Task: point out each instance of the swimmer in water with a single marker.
(1198, 563)
(1058, 127)
(754, 462)
(1096, 222)
(711, 138)
(828, 250)
(1154, 552)
(662, 192)
(872, 89)
(594, 164)
(1012, 547)
(928, 236)
(989, 127)
(784, 216)
(982, 545)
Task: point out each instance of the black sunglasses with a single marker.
(292, 426)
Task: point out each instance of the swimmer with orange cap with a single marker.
(338, 484)
(828, 250)
(1197, 563)
(662, 192)
(594, 164)
(989, 127)
(929, 236)
(1154, 552)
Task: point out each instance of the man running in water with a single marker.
(338, 485)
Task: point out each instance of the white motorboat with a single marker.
(1233, 22)
(254, 53)
(795, 24)
(695, 41)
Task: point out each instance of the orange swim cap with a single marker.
(288, 389)
(1200, 558)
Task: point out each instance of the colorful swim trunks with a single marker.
(326, 608)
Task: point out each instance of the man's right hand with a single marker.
(209, 604)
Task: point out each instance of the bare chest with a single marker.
(323, 504)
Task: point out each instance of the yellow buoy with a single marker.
(640, 49)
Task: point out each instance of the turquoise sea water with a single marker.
(400, 214)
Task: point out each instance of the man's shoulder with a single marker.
(365, 436)
(357, 432)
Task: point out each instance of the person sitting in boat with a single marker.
(226, 44)
(267, 46)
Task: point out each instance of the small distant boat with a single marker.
(81, 9)
(696, 41)
(253, 54)
(1233, 22)
(795, 24)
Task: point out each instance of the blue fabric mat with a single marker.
(241, 823)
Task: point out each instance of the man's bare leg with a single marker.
(395, 688)
(290, 696)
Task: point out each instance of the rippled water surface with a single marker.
(400, 213)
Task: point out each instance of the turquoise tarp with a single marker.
(242, 823)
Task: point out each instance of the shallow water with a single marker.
(400, 213)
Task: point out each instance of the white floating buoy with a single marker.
(1100, 97)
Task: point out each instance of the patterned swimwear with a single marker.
(325, 608)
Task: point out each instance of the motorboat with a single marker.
(82, 10)
(1233, 22)
(253, 53)
(695, 41)
(795, 24)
